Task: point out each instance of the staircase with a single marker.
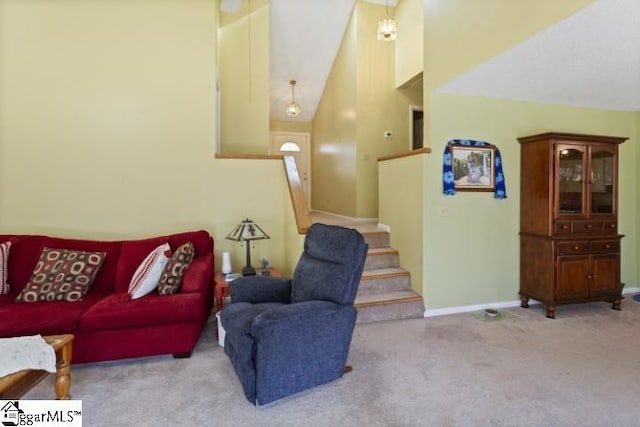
(385, 288)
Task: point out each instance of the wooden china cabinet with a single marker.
(569, 241)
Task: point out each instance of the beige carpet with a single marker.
(582, 369)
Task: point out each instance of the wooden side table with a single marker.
(221, 289)
(15, 385)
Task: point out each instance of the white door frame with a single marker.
(307, 135)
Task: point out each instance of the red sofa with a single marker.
(106, 326)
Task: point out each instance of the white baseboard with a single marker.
(470, 308)
(504, 304)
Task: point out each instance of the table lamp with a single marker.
(246, 231)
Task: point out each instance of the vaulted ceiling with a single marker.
(590, 59)
(304, 37)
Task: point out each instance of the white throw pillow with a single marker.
(147, 276)
(4, 268)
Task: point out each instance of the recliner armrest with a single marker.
(259, 289)
(309, 311)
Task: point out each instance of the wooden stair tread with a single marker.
(384, 272)
(381, 251)
(387, 298)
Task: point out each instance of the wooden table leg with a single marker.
(63, 372)
(220, 292)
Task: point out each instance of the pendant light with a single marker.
(293, 108)
(387, 28)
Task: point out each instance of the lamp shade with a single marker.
(247, 230)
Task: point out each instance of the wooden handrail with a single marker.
(298, 198)
(249, 156)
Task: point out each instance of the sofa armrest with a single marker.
(198, 277)
(259, 289)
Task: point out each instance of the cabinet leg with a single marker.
(616, 305)
(524, 302)
(551, 312)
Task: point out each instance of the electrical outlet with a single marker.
(443, 211)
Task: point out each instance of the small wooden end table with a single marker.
(221, 289)
(15, 385)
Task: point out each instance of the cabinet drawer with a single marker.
(609, 227)
(605, 246)
(563, 227)
(573, 248)
(587, 226)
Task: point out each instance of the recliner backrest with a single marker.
(331, 265)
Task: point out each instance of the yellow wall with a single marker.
(459, 35)
(409, 48)
(294, 242)
(244, 79)
(334, 134)
(289, 126)
(108, 126)
(471, 255)
(358, 105)
(638, 203)
(380, 107)
(402, 210)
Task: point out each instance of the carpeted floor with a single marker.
(581, 369)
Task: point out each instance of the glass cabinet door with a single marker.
(571, 179)
(602, 180)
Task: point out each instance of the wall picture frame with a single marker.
(473, 167)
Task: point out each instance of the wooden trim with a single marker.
(296, 191)
(425, 150)
(388, 301)
(249, 156)
(573, 137)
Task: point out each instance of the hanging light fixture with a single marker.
(293, 108)
(387, 28)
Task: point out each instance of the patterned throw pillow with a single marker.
(4, 267)
(172, 277)
(145, 279)
(62, 275)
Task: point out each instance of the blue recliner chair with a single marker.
(283, 335)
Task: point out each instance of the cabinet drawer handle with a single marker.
(564, 226)
(612, 226)
(576, 247)
(607, 246)
(588, 226)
